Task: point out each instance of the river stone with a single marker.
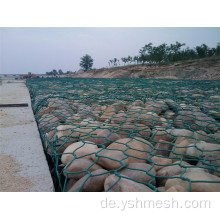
(196, 121)
(137, 103)
(171, 103)
(93, 182)
(51, 135)
(176, 188)
(137, 147)
(70, 184)
(75, 118)
(179, 134)
(84, 109)
(211, 163)
(212, 184)
(134, 129)
(48, 122)
(179, 151)
(202, 148)
(62, 114)
(67, 134)
(79, 149)
(162, 148)
(142, 116)
(161, 188)
(138, 171)
(203, 136)
(124, 185)
(214, 113)
(72, 105)
(168, 171)
(103, 137)
(156, 106)
(89, 132)
(110, 159)
(108, 113)
(96, 110)
(119, 118)
(152, 119)
(214, 138)
(169, 115)
(90, 122)
(119, 106)
(56, 102)
(159, 162)
(182, 134)
(160, 133)
(80, 165)
(45, 110)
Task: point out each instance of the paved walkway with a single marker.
(23, 165)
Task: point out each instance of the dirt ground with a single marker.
(9, 177)
(201, 69)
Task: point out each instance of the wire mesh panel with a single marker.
(129, 135)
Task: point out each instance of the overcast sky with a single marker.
(39, 50)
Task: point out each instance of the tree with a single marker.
(60, 71)
(115, 61)
(55, 72)
(174, 52)
(158, 54)
(146, 53)
(202, 50)
(110, 62)
(86, 62)
(124, 60)
(217, 50)
(136, 58)
(129, 59)
(143, 58)
(168, 53)
(188, 54)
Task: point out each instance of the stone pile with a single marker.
(138, 146)
(130, 134)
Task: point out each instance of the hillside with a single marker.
(208, 68)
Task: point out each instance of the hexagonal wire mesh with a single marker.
(129, 134)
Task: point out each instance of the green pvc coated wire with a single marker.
(76, 102)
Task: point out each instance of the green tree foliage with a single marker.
(129, 59)
(202, 50)
(217, 52)
(53, 72)
(60, 72)
(168, 53)
(114, 62)
(86, 62)
(124, 60)
(174, 52)
(136, 59)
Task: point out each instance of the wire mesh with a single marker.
(129, 134)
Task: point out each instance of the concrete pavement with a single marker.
(23, 165)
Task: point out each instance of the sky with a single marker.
(39, 50)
